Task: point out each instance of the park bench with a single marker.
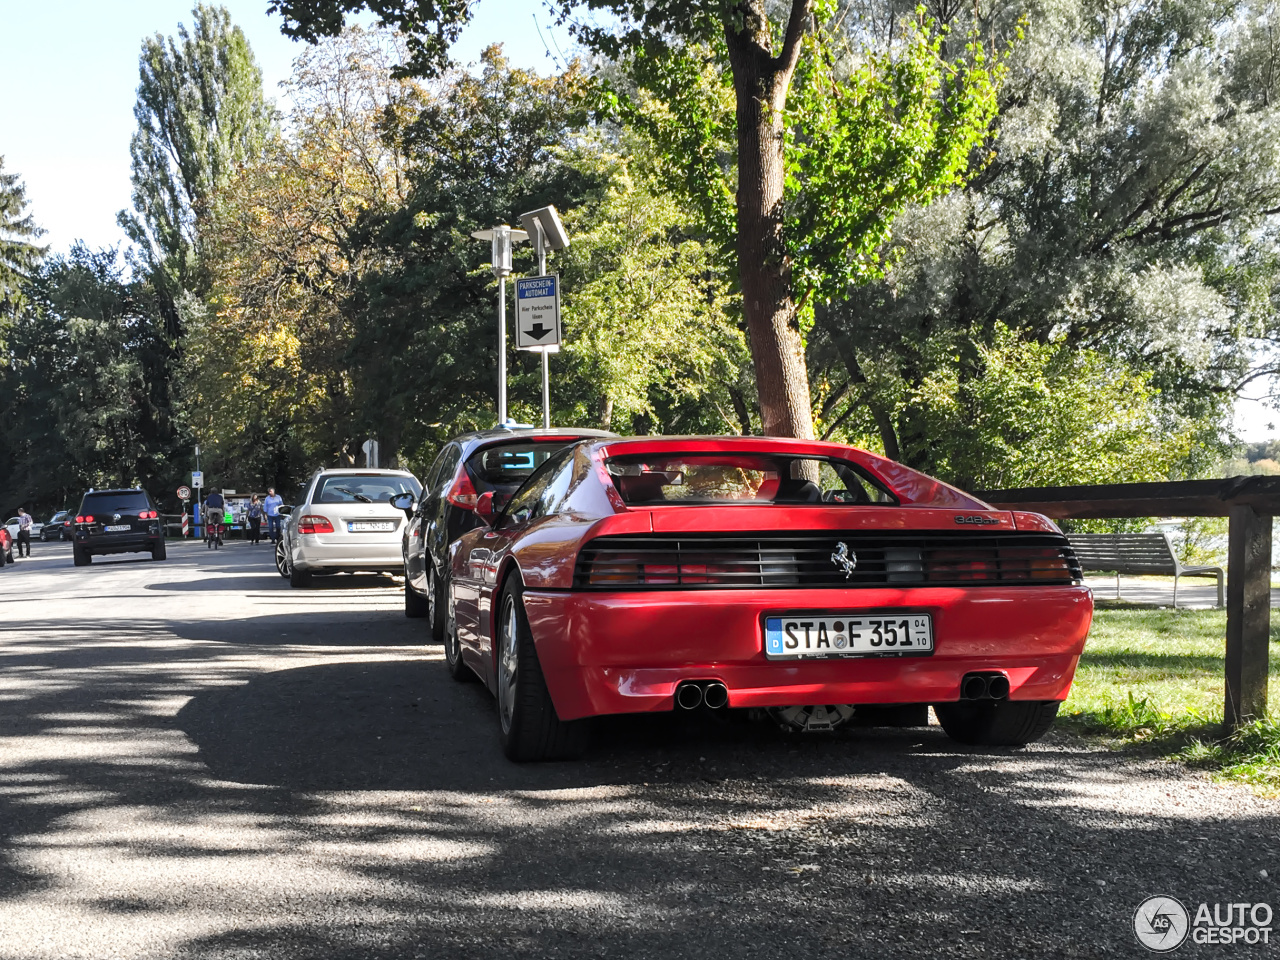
(1137, 554)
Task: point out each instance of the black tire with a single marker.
(2, 557)
(160, 551)
(527, 721)
(437, 597)
(415, 606)
(81, 557)
(282, 559)
(298, 578)
(44, 537)
(998, 723)
(453, 661)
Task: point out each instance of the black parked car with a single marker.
(58, 527)
(474, 463)
(117, 521)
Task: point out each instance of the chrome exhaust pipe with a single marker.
(998, 687)
(973, 687)
(716, 695)
(688, 696)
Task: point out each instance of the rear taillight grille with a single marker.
(852, 560)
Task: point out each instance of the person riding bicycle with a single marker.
(214, 508)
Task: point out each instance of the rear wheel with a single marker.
(998, 723)
(298, 578)
(282, 559)
(160, 551)
(80, 557)
(527, 720)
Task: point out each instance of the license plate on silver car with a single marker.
(370, 526)
(799, 636)
(117, 527)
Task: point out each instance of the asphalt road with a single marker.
(197, 761)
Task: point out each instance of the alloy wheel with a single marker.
(282, 559)
(432, 612)
(508, 663)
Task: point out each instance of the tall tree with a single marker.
(201, 114)
(928, 115)
(1129, 209)
(19, 254)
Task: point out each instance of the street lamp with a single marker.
(502, 237)
(547, 231)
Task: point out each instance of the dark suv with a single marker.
(58, 527)
(474, 463)
(117, 521)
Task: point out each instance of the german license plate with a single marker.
(117, 527)
(798, 636)
(370, 526)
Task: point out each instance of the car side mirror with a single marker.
(485, 509)
(285, 511)
(403, 501)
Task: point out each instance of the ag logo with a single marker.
(1160, 924)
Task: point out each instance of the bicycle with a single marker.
(213, 534)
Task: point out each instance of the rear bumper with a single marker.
(316, 552)
(119, 543)
(605, 653)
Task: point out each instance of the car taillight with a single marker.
(313, 524)
(462, 493)
(88, 518)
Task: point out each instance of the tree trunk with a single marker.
(760, 83)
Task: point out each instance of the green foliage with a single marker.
(866, 133)
(85, 400)
(1124, 211)
(19, 255)
(646, 309)
(1023, 413)
(200, 114)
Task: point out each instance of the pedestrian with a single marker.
(255, 520)
(272, 507)
(24, 532)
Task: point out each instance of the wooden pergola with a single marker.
(1248, 502)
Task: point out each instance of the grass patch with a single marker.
(1155, 678)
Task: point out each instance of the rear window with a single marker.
(503, 467)
(736, 478)
(128, 501)
(363, 488)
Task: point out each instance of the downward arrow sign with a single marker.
(538, 331)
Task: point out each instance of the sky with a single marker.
(69, 76)
(68, 80)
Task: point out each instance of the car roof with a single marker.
(116, 490)
(364, 471)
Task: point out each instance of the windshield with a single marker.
(364, 488)
(124, 502)
(742, 478)
(503, 467)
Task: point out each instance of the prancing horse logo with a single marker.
(845, 559)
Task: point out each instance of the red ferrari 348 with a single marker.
(807, 580)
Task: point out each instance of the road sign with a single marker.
(197, 479)
(537, 313)
(184, 493)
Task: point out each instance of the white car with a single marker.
(344, 523)
(12, 526)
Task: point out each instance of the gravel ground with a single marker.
(196, 761)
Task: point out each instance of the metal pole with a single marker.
(502, 350)
(540, 244)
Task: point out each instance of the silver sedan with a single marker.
(344, 523)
